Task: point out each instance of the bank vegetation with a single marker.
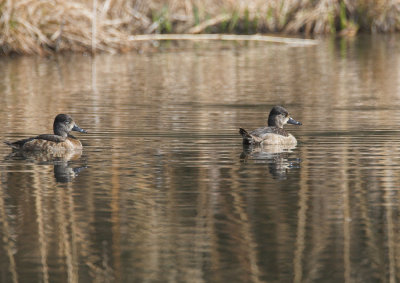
(42, 26)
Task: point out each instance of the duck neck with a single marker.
(59, 132)
(274, 122)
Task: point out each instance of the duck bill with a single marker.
(77, 129)
(293, 122)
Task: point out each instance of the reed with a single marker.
(42, 26)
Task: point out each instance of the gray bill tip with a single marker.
(77, 129)
(294, 122)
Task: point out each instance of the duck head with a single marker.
(279, 116)
(63, 124)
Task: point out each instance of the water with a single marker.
(164, 191)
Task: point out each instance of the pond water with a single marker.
(164, 191)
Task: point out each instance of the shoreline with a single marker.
(45, 27)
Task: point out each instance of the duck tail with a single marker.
(247, 138)
(10, 144)
(18, 144)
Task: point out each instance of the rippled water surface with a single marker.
(164, 191)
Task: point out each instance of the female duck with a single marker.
(274, 133)
(60, 141)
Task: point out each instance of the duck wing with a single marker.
(264, 131)
(249, 138)
(53, 138)
(20, 143)
(259, 135)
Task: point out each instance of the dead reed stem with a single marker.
(94, 28)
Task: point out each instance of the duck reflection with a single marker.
(64, 171)
(275, 156)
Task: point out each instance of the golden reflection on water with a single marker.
(164, 190)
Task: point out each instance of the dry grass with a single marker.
(41, 26)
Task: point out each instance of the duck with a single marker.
(273, 134)
(59, 142)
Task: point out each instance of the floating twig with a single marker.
(228, 37)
